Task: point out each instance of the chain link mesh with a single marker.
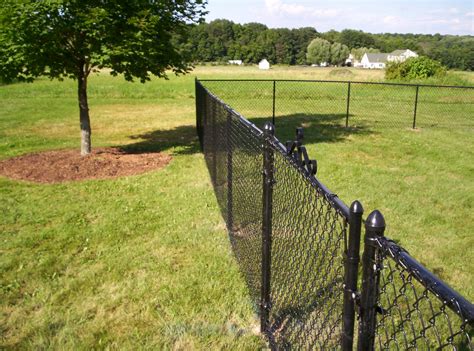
(308, 233)
(355, 104)
(307, 261)
(309, 242)
(232, 150)
(411, 313)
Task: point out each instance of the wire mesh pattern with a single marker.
(307, 261)
(294, 242)
(295, 103)
(412, 313)
(232, 149)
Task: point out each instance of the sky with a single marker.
(396, 16)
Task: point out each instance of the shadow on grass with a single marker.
(318, 128)
(182, 140)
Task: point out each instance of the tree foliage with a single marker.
(72, 38)
(356, 39)
(319, 50)
(414, 68)
(253, 41)
(339, 53)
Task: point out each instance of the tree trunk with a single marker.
(84, 114)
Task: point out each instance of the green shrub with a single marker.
(414, 68)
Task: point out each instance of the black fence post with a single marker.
(374, 227)
(348, 103)
(268, 159)
(416, 105)
(230, 224)
(351, 268)
(199, 111)
(274, 101)
(212, 111)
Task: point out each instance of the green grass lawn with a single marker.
(144, 261)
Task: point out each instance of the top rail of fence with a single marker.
(335, 81)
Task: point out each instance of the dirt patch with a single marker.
(68, 165)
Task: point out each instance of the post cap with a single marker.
(299, 134)
(375, 220)
(356, 207)
(268, 128)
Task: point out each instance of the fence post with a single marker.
(348, 103)
(268, 159)
(416, 105)
(214, 142)
(351, 269)
(273, 106)
(199, 111)
(374, 227)
(230, 223)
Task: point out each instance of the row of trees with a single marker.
(223, 40)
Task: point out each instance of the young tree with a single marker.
(72, 38)
(319, 50)
(339, 53)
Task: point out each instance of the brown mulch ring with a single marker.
(68, 165)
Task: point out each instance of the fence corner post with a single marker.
(351, 268)
(268, 160)
(374, 228)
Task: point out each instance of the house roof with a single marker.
(377, 57)
(398, 52)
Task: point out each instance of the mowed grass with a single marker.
(144, 261)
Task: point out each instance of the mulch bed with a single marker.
(68, 165)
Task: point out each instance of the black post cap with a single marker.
(375, 220)
(268, 128)
(356, 207)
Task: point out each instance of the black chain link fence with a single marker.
(416, 312)
(349, 104)
(298, 248)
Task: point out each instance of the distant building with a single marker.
(264, 64)
(371, 61)
(379, 61)
(350, 61)
(235, 62)
(401, 55)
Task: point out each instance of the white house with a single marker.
(235, 62)
(264, 64)
(401, 55)
(380, 60)
(371, 61)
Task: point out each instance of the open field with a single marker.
(145, 261)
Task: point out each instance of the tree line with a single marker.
(222, 40)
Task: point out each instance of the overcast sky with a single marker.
(396, 16)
